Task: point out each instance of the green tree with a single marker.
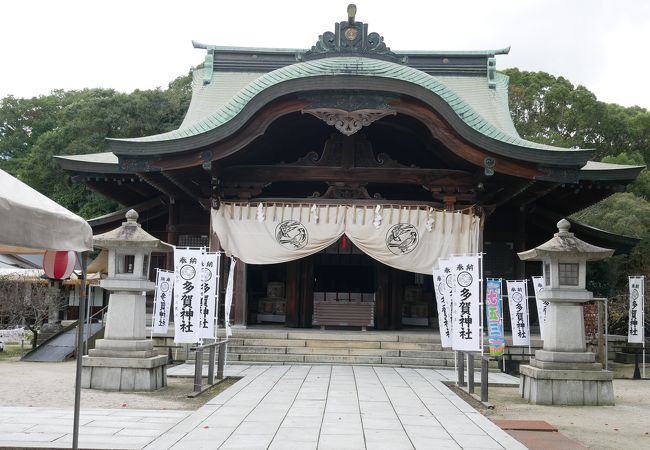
(551, 110)
(33, 131)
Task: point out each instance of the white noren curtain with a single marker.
(410, 238)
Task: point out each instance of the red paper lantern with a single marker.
(59, 264)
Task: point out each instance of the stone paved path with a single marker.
(283, 407)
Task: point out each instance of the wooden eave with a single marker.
(570, 159)
(438, 128)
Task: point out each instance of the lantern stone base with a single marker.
(124, 374)
(122, 348)
(566, 378)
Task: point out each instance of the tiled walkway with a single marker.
(284, 407)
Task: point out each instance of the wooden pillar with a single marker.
(172, 235)
(292, 309)
(382, 296)
(300, 293)
(306, 298)
(215, 246)
(520, 244)
(239, 310)
(389, 293)
(213, 240)
(397, 297)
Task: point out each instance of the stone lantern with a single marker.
(564, 373)
(125, 359)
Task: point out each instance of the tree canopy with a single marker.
(551, 110)
(33, 130)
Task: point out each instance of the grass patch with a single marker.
(12, 352)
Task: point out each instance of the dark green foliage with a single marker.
(551, 110)
(622, 213)
(33, 130)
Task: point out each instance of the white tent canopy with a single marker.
(32, 223)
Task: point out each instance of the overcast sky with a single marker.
(142, 44)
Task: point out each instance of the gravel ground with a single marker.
(52, 385)
(625, 425)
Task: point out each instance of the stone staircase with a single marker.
(403, 349)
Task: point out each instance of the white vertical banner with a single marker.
(542, 305)
(466, 325)
(444, 311)
(448, 285)
(636, 323)
(187, 294)
(208, 310)
(162, 301)
(518, 302)
(228, 299)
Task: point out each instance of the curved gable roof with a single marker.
(461, 115)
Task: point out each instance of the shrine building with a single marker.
(337, 175)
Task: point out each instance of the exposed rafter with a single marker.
(509, 193)
(204, 202)
(149, 178)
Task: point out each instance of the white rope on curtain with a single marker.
(410, 238)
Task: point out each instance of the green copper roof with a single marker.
(355, 66)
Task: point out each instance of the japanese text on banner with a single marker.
(448, 286)
(466, 309)
(187, 294)
(518, 303)
(444, 324)
(162, 302)
(636, 328)
(209, 299)
(542, 305)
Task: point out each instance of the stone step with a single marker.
(420, 337)
(342, 351)
(344, 356)
(424, 362)
(259, 334)
(412, 346)
(336, 359)
(258, 349)
(267, 357)
(332, 344)
(436, 354)
(272, 363)
(367, 336)
(306, 359)
(274, 342)
(342, 344)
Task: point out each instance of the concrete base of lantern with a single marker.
(125, 360)
(566, 378)
(117, 348)
(124, 374)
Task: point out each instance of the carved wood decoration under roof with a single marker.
(348, 122)
(351, 38)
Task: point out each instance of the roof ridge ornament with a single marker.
(351, 38)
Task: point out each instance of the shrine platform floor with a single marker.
(282, 407)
